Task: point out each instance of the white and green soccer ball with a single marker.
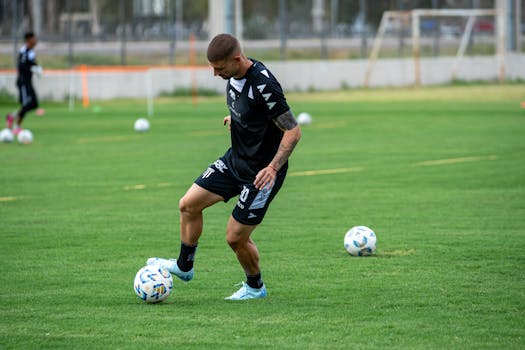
(304, 118)
(6, 135)
(141, 125)
(25, 137)
(360, 241)
(153, 284)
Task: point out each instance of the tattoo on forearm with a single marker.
(284, 152)
(286, 121)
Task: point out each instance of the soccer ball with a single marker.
(360, 241)
(141, 125)
(304, 118)
(6, 135)
(153, 284)
(25, 137)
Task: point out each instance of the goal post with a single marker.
(378, 40)
(414, 17)
(471, 15)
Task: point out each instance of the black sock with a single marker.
(255, 281)
(186, 256)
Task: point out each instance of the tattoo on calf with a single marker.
(285, 121)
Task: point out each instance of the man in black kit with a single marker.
(263, 135)
(27, 65)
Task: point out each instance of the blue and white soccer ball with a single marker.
(141, 125)
(153, 284)
(6, 135)
(360, 241)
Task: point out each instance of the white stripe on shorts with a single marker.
(261, 198)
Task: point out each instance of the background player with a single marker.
(263, 135)
(27, 65)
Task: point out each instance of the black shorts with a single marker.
(252, 203)
(26, 95)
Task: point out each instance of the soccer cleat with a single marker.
(17, 130)
(171, 266)
(246, 292)
(9, 119)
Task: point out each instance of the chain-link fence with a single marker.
(159, 32)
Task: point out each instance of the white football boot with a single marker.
(246, 292)
(171, 266)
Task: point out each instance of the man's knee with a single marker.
(237, 234)
(189, 206)
(196, 200)
(185, 206)
(28, 108)
(234, 241)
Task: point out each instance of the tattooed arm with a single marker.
(292, 135)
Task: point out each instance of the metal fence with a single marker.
(153, 32)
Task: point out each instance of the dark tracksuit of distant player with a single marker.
(28, 99)
(26, 65)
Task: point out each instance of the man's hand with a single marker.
(37, 70)
(228, 121)
(265, 178)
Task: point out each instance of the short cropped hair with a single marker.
(223, 46)
(29, 35)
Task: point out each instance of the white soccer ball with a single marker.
(153, 284)
(360, 241)
(25, 137)
(141, 125)
(6, 135)
(304, 119)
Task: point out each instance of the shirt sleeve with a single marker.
(272, 97)
(31, 58)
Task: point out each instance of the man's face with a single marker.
(227, 68)
(31, 42)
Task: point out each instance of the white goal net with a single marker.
(420, 24)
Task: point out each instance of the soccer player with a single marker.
(27, 65)
(263, 135)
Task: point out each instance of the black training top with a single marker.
(254, 102)
(26, 59)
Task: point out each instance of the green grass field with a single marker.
(438, 173)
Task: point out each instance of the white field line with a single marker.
(7, 199)
(455, 160)
(134, 187)
(142, 187)
(325, 171)
(333, 125)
